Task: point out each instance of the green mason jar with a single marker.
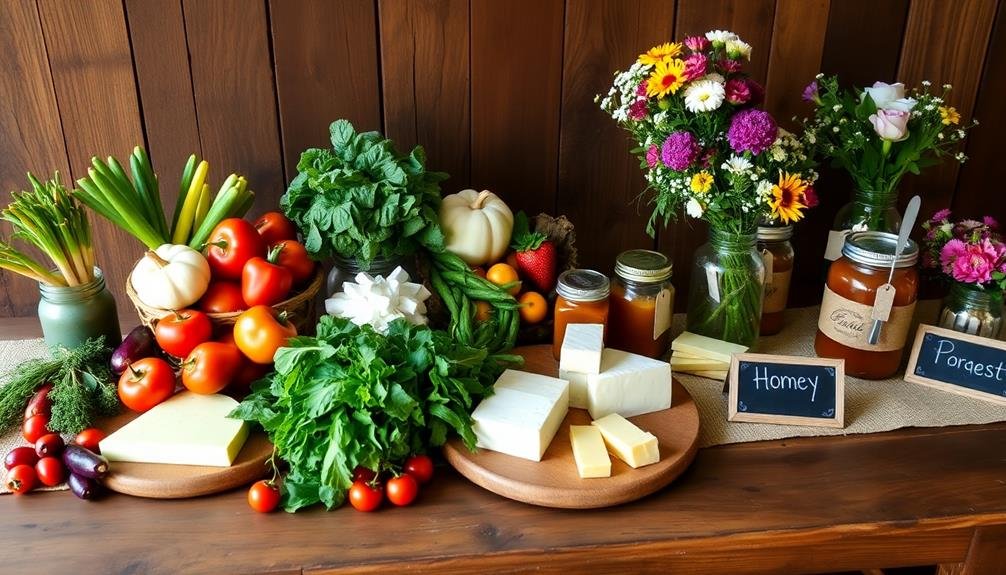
(71, 315)
(968, 309)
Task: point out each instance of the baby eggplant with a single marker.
(83, 487)
(84, 462)
(138, 344)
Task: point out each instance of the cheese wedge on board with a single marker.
(627, 442)
(706, 347)
(589, 452)
(629, 385)
(577, 388)
(523, 414)
(687, 363)
(581, 348)
(186, 429)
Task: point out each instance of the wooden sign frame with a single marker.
(733, 379)
(913, 360)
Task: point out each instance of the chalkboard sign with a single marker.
(959, 363)
(787, 390)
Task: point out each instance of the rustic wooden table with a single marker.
(910, 497)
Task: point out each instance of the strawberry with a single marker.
(535, 254)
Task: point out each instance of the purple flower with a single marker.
(751, 130)
(941, 216)
(695, 67)
(680, 150)
(697, 43)
(652, 156)
(810, 93)
(637, 111)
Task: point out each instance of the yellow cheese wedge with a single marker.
(588, 450)
(706, 347)
(717, 375)
(627, 442)
(685, 354)
(689, 364)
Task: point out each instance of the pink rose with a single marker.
(891, 125)
(972, 263)
(652, 156)
(737, 91)
(695, 67)
(697, 43)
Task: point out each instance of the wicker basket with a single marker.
(300, 308)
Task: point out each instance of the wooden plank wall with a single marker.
(500, 93)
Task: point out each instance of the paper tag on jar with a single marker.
(768, 259)
(836, 241)
(884, 302)
(713, 282)
(662, 313)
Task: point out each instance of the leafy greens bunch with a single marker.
(351, 396)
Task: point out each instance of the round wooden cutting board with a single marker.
(160, 481)
(554, 481)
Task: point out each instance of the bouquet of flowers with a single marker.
(707, 149)
(968, 252)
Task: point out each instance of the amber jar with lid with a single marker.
(581, 297)
(642, 301)
(849, 297)
(777, 253)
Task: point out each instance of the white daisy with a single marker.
(694, 208)
(704, 96)
(737, 47)
(737, 165)
(722, 36)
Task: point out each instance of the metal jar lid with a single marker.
(583, 285)
(774, 233)
(877, 249)
(645, 266)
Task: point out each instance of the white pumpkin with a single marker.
(172, 277)
(477, 224)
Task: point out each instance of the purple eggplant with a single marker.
(83, 487)
(140, 343)
(82, 461)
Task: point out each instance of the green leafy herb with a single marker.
(351, 396)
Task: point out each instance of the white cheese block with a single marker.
(628, 385)
(581, 348)
(687, 363)
(523, 414)
(706, 347)
(627, 442)
(577, 388)
(187, 429)
(589, 452)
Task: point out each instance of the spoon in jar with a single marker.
(911, 213)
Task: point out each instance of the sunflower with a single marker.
(949, 115)
(660, 53)
(701, 182)
(666, 78)
(788, 198)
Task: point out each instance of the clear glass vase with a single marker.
(969, 309)
(868, 210)
(725, 295)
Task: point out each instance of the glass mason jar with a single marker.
(345, 269)
(868, 211)
(71, 315)
(968, 309)
(777, 253)
(642, 302)
(726, 291)
(581, 297)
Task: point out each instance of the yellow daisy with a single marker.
(666, 78)
(949, 115)
(788, 198)
(701, 182)
(660, 53)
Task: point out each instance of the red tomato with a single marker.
(263, 282)
(365, 496)
(89, 439)
(50, 471)
(275, 227)
(210, 367)
(263, 496)
(402, 490)
(361, 473)
(40, 402)
(260, 331)
(23, 455)
(180, 332)
(233, 242)
(420, 467)
(146, 383)
(49, 445)
(222, 297)
(21, 479)
(34, 427)
(293, 256)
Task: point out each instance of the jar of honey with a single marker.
(777, 253)
(582, 297)
(854, 282)
(642, 301)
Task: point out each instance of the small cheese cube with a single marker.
(523, 414)
(706, 347)
(581, 348)
(687, 363)
(628, 385)
(589, 452)
(577, 388)
(627, 442)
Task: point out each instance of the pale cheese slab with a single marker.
(707, 347)
(628, 385)
(589, 453)
(523, 414)
(577, 388)
(627, 442)
(581, 348)
(687, 363)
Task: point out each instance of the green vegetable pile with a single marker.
(352, 397)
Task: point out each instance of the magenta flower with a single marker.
(641, 90)
(637, 111)
(752, 130)
(941, 216)
(695, 67)
(810, 93)
(729, 66)
(652, 156)
(737, 91)
(697, 43)
(972, 263)
(810, 197)
(680, 150)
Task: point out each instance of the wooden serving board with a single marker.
(160, 481)
(554, 481)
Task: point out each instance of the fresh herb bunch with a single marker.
(352, 397)
(49, 219)
(362, 199)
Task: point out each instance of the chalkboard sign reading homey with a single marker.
(959, 363)
(787, 390)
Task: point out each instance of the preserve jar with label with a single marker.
(642, 301)
(777, 253)
(581, 297)
(847, 312)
